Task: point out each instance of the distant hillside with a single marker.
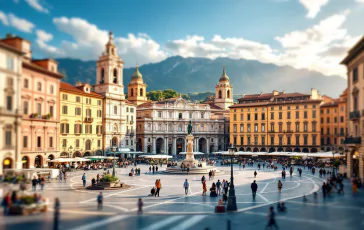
(188, 75)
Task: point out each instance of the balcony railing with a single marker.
(354, 115)
(353, 140)
(89, 119)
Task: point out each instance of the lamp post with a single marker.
(114, 148)
(232, 198)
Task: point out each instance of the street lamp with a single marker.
(114, 148)
(232, 198)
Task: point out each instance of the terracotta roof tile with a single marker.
(68, 87)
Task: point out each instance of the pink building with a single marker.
(40, 82)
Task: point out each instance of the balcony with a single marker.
(354, 115)
(289, 131)
(352, 141)
(89, 119)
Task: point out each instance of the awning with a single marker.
(157, 156)
(196, 153)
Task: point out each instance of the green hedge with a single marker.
(108, 178)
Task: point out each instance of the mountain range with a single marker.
(187, 75)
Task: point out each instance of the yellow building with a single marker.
(277, 121)
(81, 121)
(333, 123)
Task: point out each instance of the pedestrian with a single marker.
(100, 198)
(188, 170)
(140, 206)
(34, 184)
(324, 189)
(57, 206)
(280, 185)
(6, 203)
(153, 169)
(98, 178)
(158, 185)
(254, 188)
(204, 188)
(42, 183)
(185, 186)
(64, 176)
(218, 187)
(226, 187)
(271, 219)
(203, 179)
(84, 179)
(93, 181)
(150, 169)
(255, 174)
(354, 187)
(156, 168)
(210, 174)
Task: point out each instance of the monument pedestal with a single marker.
(190, 158)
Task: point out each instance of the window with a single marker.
(327, 111)
(78, 99)
(256, 116)
(263, 127)
(141, 92)
(335, 131)
(9, 103)
(242, 140)
(10, 63)
(220, 94)
(313, 140)
(88, 113)
(313, 126)
(39, 86)
(272, 140)
(288, 140)
(305, 114)
(64, 143)
(234, 117)
(78, 128)
(190, 116)
(39, 108)
(26, 83)
(280, 107)
(263, 116)
(256, 140)
(234, 140)
(355, 75)
(180, 115)
(297, 140)
(288, 115)
(280, 127)
(234, 128)
(305, 127)
(328, 131)
(314, 114)
(115, 80)
(248, 116)
(99, 102)
(289, 127)
(39, 142)
(280, 141)
(248, 140)
(280, 115)
(263, 140)
(78, 111)
(297, 127)
(241, 117)
(255, 127)
(272, 116)
(50, 142)
(170, 115)
(99, 113)
(179, 128)
(202, 115)
(102, 76)
(272, 127)
(115, 110)
(51, 89)
(64, 109)
(99, 143)
(341, 119)
(241, 128)
(8, 138)
(65, 97)
(328, 120)
(248, 127)
(297, 114)
(305, 142)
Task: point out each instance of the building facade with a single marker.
(162, 125)
(118, 114)
(333, 123)
(277, 121)
(39, 102)
(354, 62)
(10, 113)
(80, 121)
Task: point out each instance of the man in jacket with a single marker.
(254, 188)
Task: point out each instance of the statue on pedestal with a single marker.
(189, 128)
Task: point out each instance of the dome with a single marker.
(137, 75)
(224, 77)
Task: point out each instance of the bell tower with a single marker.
(137, 89)
(224, 91)
(109, 72)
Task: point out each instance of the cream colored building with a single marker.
(119, 114)
(80, 121)
(354, 62)
(10, 111)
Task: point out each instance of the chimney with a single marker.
(19, 44)
(275, 93)
(78, 83)
(9, 35)
(314, 94)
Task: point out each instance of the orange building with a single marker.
(277, 121)
(333, 123)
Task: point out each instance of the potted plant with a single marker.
(108, 181)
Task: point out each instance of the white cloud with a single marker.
(44, 36)
(20, 23)
(89, 43)
(360, 1)
(3, 18)
(313, 6)
(36, 5)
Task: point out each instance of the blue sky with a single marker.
(311, 34)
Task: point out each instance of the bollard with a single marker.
(57, 206)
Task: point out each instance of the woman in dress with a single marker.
(204, 188)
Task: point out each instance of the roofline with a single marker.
(354, 51)
(40, 69)
(10, 48)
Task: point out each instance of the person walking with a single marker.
(60, 176)
(153, 169)
(158, 185)
(6, 203)
(34, 184)
(210, 174)
(156, 168)
(271, 219)
(203, 179)
(324, 190)
(254, 188)
(150, 169)
(255, 174)
(186, 186)
(140, 206)
(84, 179)
(100, 199)
(280, 185)
(42, 183)
(226, 187)
(204, 188)
(218, 187)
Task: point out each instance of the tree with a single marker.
(155, 95)
(169, 93)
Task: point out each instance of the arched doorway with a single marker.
(64, 154)
(313, 150)
(328, 149)
(7, 163)
(305, 150)
(77, 154)
(297, 150)
(255, 150)
(159, 145)
(38, 161)
(98, 153)
(25, 162)
(114, 141)
(322, 148)
(50, 157)
(241, 149)
(87, 154)
(248, 149)
(202, 145)
(212, 148)
(271, 150)
(180, 144)
(288, 149)
(280, 149)
(263, 149)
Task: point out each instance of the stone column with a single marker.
(174, 146)
(154, 150)
(166, 145)
(197, 147)
(208, 145)
(18, 158)
(361, 164)
(349, 162)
